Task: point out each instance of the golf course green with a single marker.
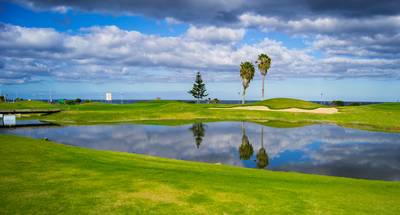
(380, 117)
(40, 177)
(44, 177)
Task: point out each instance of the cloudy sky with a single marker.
(347, 50)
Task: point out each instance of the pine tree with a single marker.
(199, 90)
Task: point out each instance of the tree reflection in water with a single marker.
(245, 149)
(198, 130)
(262, 157)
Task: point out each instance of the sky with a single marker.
(320, 50)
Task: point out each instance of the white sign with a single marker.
(108, 96)
(9, 120)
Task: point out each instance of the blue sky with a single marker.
(146, 51)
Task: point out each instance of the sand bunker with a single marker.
(293, 110)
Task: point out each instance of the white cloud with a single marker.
(263, 22)
(323, 25)
(16, 37)
(103, 53)
(172, 21)
(215, 34)
(377, 46)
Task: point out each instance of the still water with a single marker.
(316, 149)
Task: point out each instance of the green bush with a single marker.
(215, 101)
(337, 103)
(70, 102)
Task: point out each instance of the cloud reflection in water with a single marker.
(319, 149)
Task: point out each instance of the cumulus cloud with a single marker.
(222, 11)
(376, 46)
(31, 39)
(215, 35)
(351, 38)
(323, 24)
(108, 52)
(367, 37)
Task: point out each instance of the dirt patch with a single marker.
(293, 110)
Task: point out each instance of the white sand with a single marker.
(293, 110)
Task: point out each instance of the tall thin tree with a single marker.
(264, 63)
(199, 88)
(262, 156)
(246, 73)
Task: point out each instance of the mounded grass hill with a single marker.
(283, 103)
(42, 177)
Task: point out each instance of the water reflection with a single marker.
(262, 157)
(245, 149)
(198, 130)
(318, 149)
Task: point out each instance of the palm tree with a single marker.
(262, 156)
(264, 62)
(245, 149)
(247, 74)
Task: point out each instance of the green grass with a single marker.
(26, 105)
(42, 177)
(283, 103)
(381, 117)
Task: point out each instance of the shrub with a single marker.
(70, 102)
(337, 103)
(214, 101)
(355, 104)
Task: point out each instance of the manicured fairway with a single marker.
(382, 117)
(42, 177)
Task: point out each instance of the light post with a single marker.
(322, 101)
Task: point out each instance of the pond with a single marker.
(317, 149)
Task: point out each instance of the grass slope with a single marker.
(26, 105)
(382, 117)
(41, 177)
(283, 103)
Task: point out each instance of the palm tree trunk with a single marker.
(243, 95)
(263, 79)
(262, 136)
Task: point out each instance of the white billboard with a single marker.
(108, 96)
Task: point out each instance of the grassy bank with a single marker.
(38, 176)
(383, 117)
